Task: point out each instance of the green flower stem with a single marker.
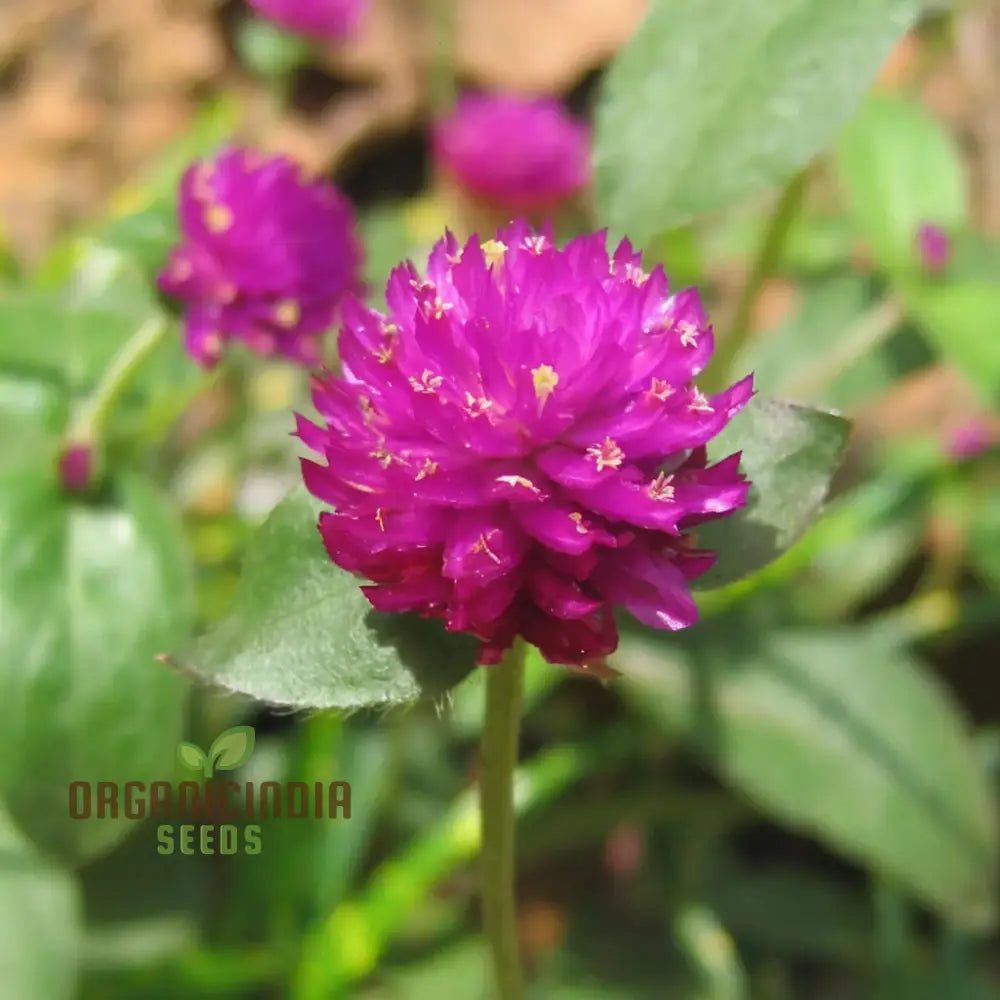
(441, 72)
(766, 260)
(504, 687)
(87, 426)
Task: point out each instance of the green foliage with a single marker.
(843, 735)
(40, 923)
(789, 454)
(302, 634)
(89, 594)
(715, 100)
(961, 320)
(900, 169)
(268, 50)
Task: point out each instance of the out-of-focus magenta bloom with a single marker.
(76, 467)
(516, 446)
(266, 257)
(971, 439)
(934, 247)
(323, 20)
(518, 152)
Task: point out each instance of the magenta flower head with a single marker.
(517, 152)
(266, 257)
(516, 446)
(934, 247)
(322, 20)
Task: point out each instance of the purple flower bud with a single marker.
(76, 467)
(934, 246)
(323, 20)
(971, 438)
(516, 446)
(517, 152)
(266, 257)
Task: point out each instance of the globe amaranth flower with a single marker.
(266, 257)
(322, 20)
(517, 446)
(934, 247)
(518, 152)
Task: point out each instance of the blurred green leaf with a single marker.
(89, 594)
(269, 51)
(840, 734)
(797, 352)
(362, 761)
(30, 396)
(984, 542)
(40, 923)
(146, 235)
(43, 334)
(900, 169)
(461, 967)
(346, 946)
(715, 100)
(789, 910)
(711, 953)
(789, 455)
(69, 334)
(962, 321)
(302, 634)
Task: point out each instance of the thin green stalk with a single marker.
(871, 329)
(87, 426)
(504, 688)
(766, 260)
(441, 71)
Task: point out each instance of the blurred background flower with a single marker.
(324, 20)
(266, 257)
(517, 152)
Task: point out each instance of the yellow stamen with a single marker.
(661, 489)
(427, 469)
(493, 251)
(545, 378)
(688, 332)
(699, 403)
(218, 218)
(287, 313)
(607, 455)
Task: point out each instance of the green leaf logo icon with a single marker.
(229, 749)
(191, 756)
(232, 748)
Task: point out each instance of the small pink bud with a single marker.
(934, 246)
(76, 467)
(971, 439)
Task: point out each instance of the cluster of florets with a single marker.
(267, 255)
(517, 444)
